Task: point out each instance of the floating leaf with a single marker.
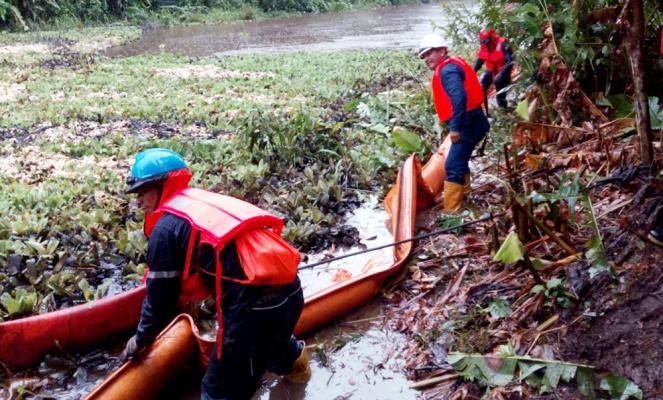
(380, 128)
(88, 293)
(38, 248)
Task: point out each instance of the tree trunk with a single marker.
(115, 6)
(633, 41)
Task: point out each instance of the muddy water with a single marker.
(370, 220)
(63, 376)
(382, 28)
(361, 361)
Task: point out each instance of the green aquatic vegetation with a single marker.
(20, 303)
(213, 91)
(301, 135)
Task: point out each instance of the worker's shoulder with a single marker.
(452, 68)
(171, 223)
(452, 71)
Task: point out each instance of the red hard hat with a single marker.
(486, 34)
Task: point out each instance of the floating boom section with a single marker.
(172, 349)
(25, 341)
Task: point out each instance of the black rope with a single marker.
(422, 236)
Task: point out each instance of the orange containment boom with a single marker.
(144, 378)
(25, 341)
(415, 188)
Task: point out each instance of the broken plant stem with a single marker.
(560, 263)
(548, 323)
(547, 230)
(532, 270)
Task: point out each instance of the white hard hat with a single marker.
(431, 41)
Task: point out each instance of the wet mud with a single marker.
(382, 28)
(75, 132)
(625, 336)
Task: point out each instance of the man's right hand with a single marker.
(454, 136)
(130, 350)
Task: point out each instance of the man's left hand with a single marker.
(454, 136)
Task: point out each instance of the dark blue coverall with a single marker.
(472, 125)
(258, 320)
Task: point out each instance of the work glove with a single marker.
(130, 350)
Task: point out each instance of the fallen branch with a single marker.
(433, 381)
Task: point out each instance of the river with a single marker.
(381, 28)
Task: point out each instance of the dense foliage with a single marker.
(586, 35)
(23, 14)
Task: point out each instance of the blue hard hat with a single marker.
(153, 165)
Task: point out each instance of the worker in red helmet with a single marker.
(458, 97)
(199, 246)
(496, 54)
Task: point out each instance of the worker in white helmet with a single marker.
(458, 97)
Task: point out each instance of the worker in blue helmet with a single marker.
(258, 321)
(152, 166)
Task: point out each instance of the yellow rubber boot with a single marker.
(467, 188)
(453, 196)
(301, 369)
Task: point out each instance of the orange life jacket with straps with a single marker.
(472, 85)
(215, 220)
(495, 59)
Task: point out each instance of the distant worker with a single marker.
(458, 98)
(197, 243)
(496, 54)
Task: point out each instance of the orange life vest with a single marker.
(266, 259)
(495, 59)
(472, 85)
